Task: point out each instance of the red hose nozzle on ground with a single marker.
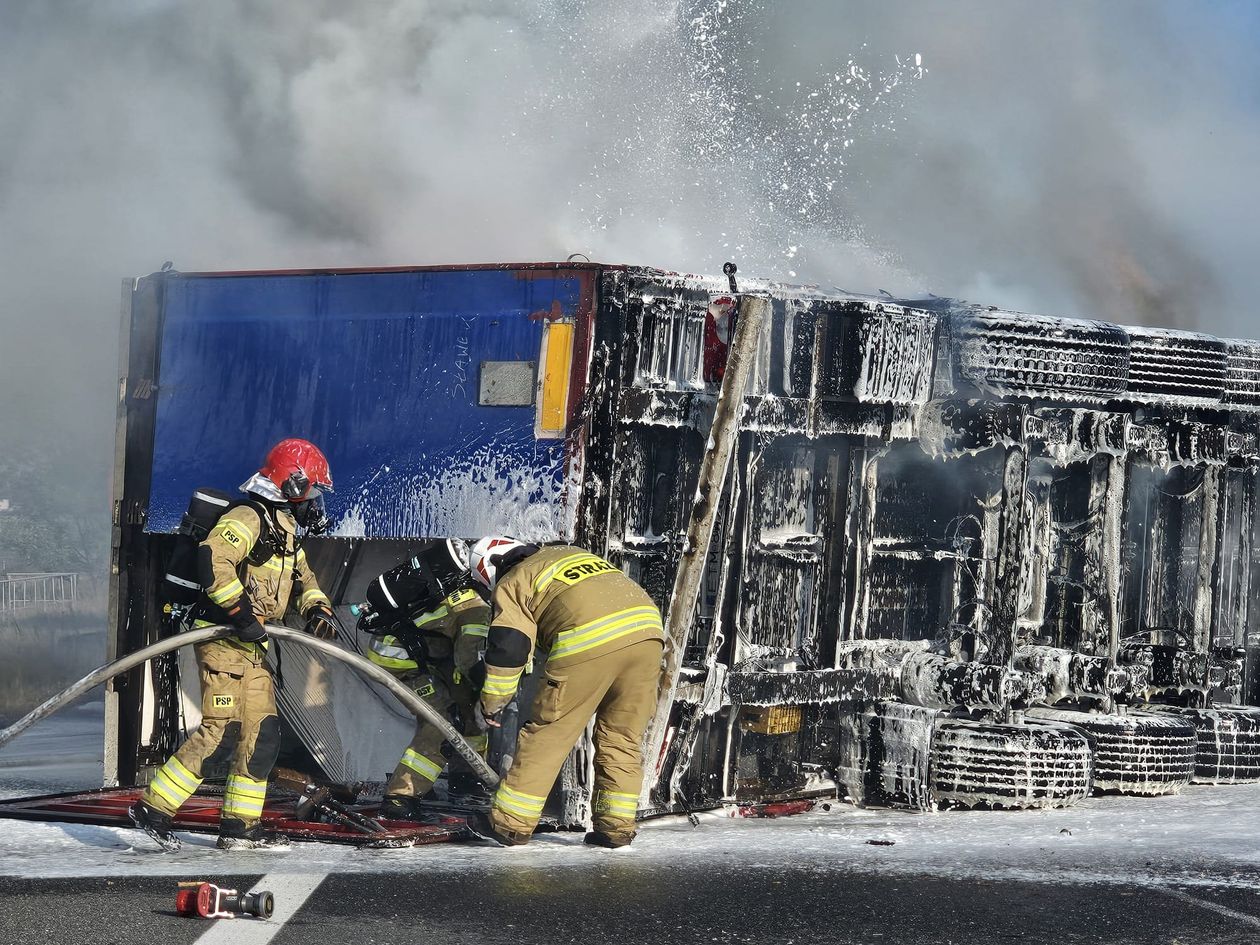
(208, 901)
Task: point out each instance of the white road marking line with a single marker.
(1215, 907)
(291, 891)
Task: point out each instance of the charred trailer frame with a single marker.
(923, 587)
(925, 557)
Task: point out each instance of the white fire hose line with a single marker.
(291, 891)
(416, 705)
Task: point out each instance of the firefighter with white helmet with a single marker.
(253, 569)
(603, 637)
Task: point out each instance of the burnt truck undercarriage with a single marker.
(962, 557)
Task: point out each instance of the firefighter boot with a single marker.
(234, 835)
(398, 807)
(465, 786)
(479, 826)
(597, 838)
(156, 824)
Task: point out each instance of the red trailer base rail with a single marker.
(108, 808)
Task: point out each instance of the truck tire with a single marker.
(987, 764)
(1229, 742)
(1021, 355)
(1165, 363)
(1242, 383)
(1137, 753)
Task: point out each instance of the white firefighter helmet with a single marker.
(488, 554)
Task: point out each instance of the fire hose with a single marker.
(417, 706)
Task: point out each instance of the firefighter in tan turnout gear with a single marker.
(441, 661)
(603, 638)
(253, 569)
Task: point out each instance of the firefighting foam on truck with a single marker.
(904, 552)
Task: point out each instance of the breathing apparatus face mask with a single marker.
(310, 513)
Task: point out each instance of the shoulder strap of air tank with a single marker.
(266, 528)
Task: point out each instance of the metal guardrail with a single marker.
(20, 591)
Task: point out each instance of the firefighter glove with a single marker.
(252, 633)
(248, 629)
(485, 721)
(321, 624)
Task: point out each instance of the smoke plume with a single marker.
(1073, 158)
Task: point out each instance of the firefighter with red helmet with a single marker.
(603, 638)
(253, 569)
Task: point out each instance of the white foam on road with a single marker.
(1209, 835)
(291, 890)
(1206, 836)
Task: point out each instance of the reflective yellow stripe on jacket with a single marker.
(433, 615)
(388, 652)
(310, 598)
(595, 633)
(501, 685)
(226, 594)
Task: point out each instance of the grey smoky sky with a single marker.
(1095, 159)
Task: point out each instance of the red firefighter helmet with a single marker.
(295, 466)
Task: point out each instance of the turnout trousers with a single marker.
(619, 690)
(239, 734)
(424, 758)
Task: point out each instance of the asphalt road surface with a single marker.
(629, 903)
(1178, 869)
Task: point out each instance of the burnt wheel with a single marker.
(1018, 355)
(1137, 753)
(1229, 742)
(987, 764)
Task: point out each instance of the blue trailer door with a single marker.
(423, 388)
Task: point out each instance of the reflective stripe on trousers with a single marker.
(524, 805)
(616, 804)
(171, 787)
(425, 767)
(243, 800)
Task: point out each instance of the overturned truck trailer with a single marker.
(962, 556)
